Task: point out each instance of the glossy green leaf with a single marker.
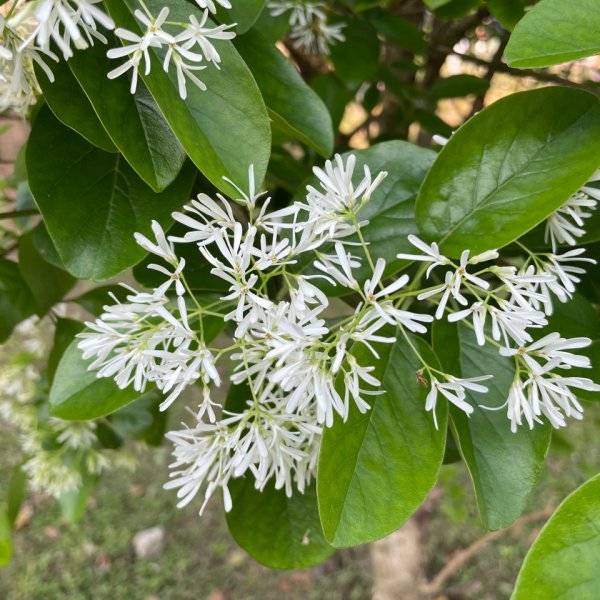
(390, 211)
(69, 103)
(134, 122)
(244, 14)
(563, 561)
(554, 32)
(456, 86)
(291, 103)
(6, 548)
(65, 331)
(79, 395)
(578, 318)
(508, 12)
(504, 466)
(277, 531)
(16, 300)
(92, 201)
(508, 168)
(377, 468)
(223, 129)
(47, 283)
(356, 59)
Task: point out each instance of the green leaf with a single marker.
(244, 14)
(277, 531)
(377, 468)
(64, 333)
(73, 503)
(456, 8)
(504, 466)
(554, 32)
(578, 318)
(92, 202)
(223, 129)
(134, 122)
(509, 168)
(563, 561)
(47, 283)
(16, 300)
(71, 106)
(357, 59)
(399, 31)
(79, 395)
(291, 103)
(6, 548)
(508, 12)
(17, 490)
(390, 211)
(334, 95)
(457, 86)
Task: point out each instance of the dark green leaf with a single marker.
(399, 31)
(504, 466)
(508, 168)
(563, 561)
(79, 395)
(69, 103)
(16, 301)
(357, 59)
(277, 531)
(45, 246)
(334, 94)
(47, 283)
(457, 86)
(223, 129)
(291, 103)
(457, 8)
(92, 202)
(377, 468)
(508, 12)
(244, 14)
(134, 122)
(554, 32)
(64, 333)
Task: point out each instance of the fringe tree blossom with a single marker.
(309, 27)
(295, 371)
(28, 29)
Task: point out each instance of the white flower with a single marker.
(211, 6)
(431, 254)
(162, 247)
(328, 264)
(512, 321)
(453, 389)
(478, 312)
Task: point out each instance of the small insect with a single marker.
(421, 380)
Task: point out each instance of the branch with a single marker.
(460, 558)
(539, 75)
(15, 214)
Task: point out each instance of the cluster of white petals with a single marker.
(296, 370)
(35, 33)
(310, 30)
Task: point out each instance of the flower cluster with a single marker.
(310, 30)
(57, 454)
(32, 32)
(294, 370)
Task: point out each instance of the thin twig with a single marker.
(460, 558)
(15, 214)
